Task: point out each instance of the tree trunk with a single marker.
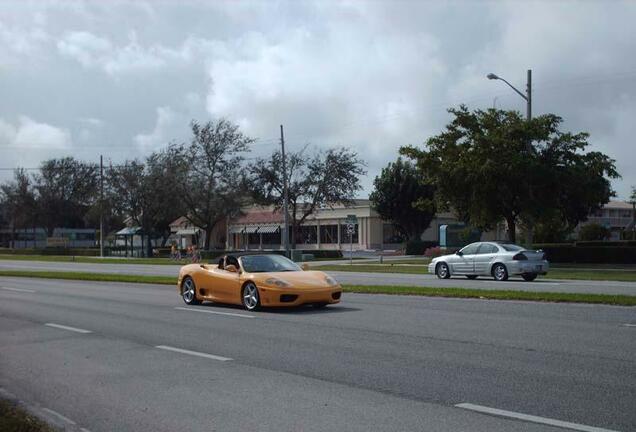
(512, 229)
(208, 237)
(148, 246)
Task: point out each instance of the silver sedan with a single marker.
(499, 260)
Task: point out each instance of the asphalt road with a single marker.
(541, 284)
(372, 363)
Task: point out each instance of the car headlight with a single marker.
(277, 282)
(330, 281)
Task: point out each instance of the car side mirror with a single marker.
(460, 253)
(231, 268)
(305, 266)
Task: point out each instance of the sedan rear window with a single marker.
(512, 247)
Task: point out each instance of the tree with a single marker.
(594, 231)
(402, 197)
(146, 192)
(482, 168)
(66, 189)
(19, 202)
(324, 179)
(209, 172)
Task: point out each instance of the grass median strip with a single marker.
(14, 418)
(622, 300)
(554, 273)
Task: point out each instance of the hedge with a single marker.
(418, 247)
(590, 254)
(51, 251)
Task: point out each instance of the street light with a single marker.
(528, 99)
(527, 96)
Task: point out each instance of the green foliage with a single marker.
(594, 231)
(418, 247)
(66, 189)
(494, 165)
(402, 197)
(567, 253)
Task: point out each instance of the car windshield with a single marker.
(268, 263)
(511, 247)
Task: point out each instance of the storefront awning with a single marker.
(268, 229)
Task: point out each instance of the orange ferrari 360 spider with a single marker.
(255, 280)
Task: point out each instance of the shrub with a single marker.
(433, 252)
(594, 231)
(418, 247)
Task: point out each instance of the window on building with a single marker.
(390, 234)
(307, 235)
(272, 238)
(329, 234)
(344, 235)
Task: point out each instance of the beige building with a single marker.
(617, 216)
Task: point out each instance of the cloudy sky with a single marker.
(125, 78)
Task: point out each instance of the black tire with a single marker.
(189, 291)
(250, 297)
(529, 277)
(442, 271)
(500, 272)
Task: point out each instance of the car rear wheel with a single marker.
(251, 299)
(471, 277)
(442, 271)
(529, 277)
(188, 291)
(500, 272)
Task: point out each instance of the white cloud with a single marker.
(159, 136)
(30, 134)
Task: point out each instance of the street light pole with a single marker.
(285, 195)
(528, 98)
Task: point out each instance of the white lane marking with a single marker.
(531, 418)
(215, 312)
(193, 353)
(18, 289)
(63, 327)
(58, 415)
(629, 325)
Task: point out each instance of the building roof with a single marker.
(618, 205)
(260, 217)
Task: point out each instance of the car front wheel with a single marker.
(188, 292)
(500, 273)
(442, 271)
(529, 277)
(251, 299)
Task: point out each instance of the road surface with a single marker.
(134, 357)
(541, 284)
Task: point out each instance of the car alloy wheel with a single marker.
(188, 292)
(500, 273)
(442, 271)
(251, 300)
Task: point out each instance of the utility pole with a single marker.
(285, 195)
(101, 206)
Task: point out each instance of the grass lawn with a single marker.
(15, 419)
(575, 273)
(369, 289)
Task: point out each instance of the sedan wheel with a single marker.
(499, 272)
(251, 300)
(442, 271)
(188, 292)
(529, 277)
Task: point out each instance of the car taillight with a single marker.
(520, 257)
